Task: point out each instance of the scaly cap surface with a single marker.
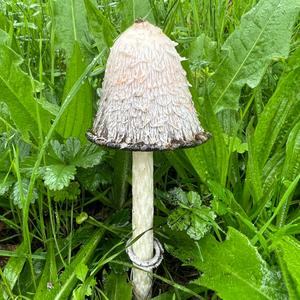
(146, 103)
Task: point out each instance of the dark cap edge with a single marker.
(202, 138)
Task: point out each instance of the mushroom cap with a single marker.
(145, 103)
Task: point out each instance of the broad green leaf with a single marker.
(131, 10)
(14, 268)
(69, 24)
(77, 118)
(102, 30)
(17, 92)
(201, 52)
(263, 35)
(233, 268)
(288, 249)
(56, 177)
(116, 287)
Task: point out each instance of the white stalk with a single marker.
(142, 219)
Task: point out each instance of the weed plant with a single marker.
(227, 212)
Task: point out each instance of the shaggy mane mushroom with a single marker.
(145, 105)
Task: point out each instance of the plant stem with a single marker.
(142, 219)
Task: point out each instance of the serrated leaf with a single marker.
(17, 93)
(69, 193)
(90, 155)
(201, 52)
(5, 183)
(191, 216)
(56, 177)
(58, 149)
(71, 148)
(236, 143)
(16, 193)
(263, 35)
(185, 199)
(178, 219)
(73, 153)
(233, 268)
(91, 178)
(197, 222)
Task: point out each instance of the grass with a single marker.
(228, 209)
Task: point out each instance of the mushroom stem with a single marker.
(142, 219)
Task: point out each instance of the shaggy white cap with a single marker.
(146, 103)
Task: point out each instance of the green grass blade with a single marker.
(34, 175)
(122, 167)
(67, 281)
(49, 275)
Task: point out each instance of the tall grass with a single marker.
(227, 211)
